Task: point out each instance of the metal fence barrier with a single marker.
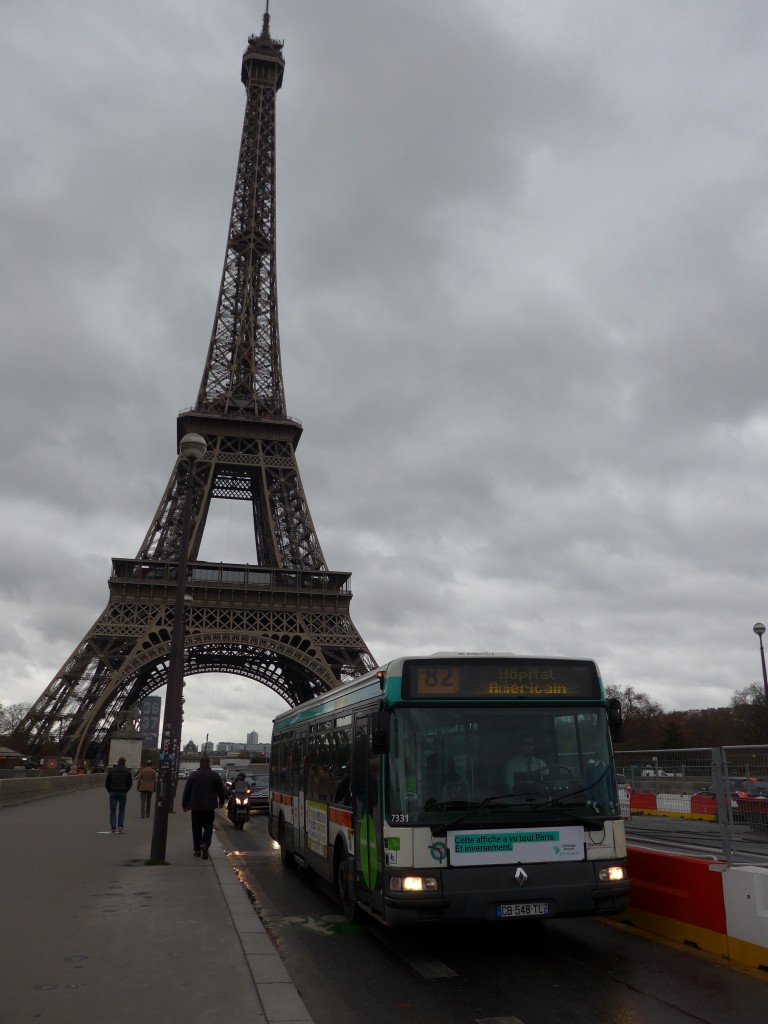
(708, 801)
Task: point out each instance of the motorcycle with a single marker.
(238, 808)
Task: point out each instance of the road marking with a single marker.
(427, 966)
(333, 924)
(498, 1020)
(325, 924)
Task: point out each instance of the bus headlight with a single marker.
(613, 873)
(413, 883)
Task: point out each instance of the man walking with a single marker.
(146, 783)
(118, 782)
(203, 793)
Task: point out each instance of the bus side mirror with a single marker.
(615, 720)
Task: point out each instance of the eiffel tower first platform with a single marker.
(283, 621)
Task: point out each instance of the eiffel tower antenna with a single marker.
(282, 621)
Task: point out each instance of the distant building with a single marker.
(206, 748)
(229, 748)
(10, 758)
(149, 721)
(251, 740)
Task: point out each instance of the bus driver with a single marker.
(524, 761)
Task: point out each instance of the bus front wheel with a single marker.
(344, 886)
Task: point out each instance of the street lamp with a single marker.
(759, 628)
(178, 724)
(191, 448)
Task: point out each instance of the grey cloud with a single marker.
(521, 265)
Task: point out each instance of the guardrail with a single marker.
(21, 790)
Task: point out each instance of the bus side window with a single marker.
(274, 762)
(341, 754)
(280, 763)
(297, 765)
(318, 783)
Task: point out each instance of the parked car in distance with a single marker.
(623, 782)
(259, 782)
(752, 804)
(740, 789)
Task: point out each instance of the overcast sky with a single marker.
(522, 265)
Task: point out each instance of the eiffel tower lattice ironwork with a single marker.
(283, 621)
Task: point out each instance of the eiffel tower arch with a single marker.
(284, 620)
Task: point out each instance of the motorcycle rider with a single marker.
(240, 787)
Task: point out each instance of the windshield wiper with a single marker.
(441, 830)
(524, 804)
(589, 823)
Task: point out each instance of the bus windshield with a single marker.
(492, 764)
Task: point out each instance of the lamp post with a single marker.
(759, 628)
(178, 724)
(191, 448)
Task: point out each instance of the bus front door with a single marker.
(366, 804)
(298, 789)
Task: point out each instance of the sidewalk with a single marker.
(87, 928)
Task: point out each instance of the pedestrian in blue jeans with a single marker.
(119, 780)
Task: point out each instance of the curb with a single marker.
(277, 994)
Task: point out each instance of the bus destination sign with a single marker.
(500, 679)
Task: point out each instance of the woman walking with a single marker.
(146, 784)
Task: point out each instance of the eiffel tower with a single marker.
(283, 621)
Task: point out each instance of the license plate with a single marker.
(522, 910)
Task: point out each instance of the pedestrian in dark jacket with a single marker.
(118, 782)
(203, 793)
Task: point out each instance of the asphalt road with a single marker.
(584, 971)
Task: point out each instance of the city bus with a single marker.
(403, 790)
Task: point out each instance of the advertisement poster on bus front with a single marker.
(517, 846)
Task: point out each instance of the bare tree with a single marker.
(11, 717)
(643, 717)
(749, 714)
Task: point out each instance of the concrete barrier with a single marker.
(642, 803)
(678, 897)
(20, 790)
(672, 805)
(701, 903)
(745, 889)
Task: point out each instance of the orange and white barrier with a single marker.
(673, 805)
(701, 903)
